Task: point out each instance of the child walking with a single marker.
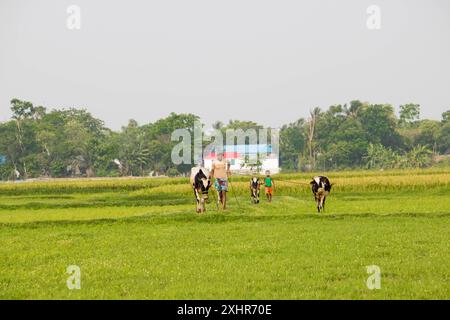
(269, 184)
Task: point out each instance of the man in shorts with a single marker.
(269, 184)
(220, 171)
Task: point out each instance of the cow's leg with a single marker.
(195, 194)
(202, 204)
(315, 200)
(197, 199)
(323, 203)
(204, 199)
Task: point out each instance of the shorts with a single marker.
(221, 185)
(269, 190)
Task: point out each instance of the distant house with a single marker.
(240, 157)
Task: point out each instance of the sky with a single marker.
(265, 61)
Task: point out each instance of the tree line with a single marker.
(37, 142)
(363, 135)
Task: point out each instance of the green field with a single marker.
(141, 239)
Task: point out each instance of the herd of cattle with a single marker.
(201, 183)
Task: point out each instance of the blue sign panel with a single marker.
(2, 159)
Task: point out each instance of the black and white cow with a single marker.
(255, 188)
(321, 188)
(201, 183)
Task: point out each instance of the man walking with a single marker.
(269, 184)
(220, 171)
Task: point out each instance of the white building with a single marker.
(243, 158)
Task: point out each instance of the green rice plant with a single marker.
(142, 239)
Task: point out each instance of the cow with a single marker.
(321, 188)
(255, 187)
(201, 182)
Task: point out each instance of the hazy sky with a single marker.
(267, 61)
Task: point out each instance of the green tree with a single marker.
(409, 113)
(444, 139)
(10, 149)
(380, 124)
(446, 116)
(292, 144)
(24, 114)
(419, 157)
(379, 157)
(315, 115)
(64, 142)
(133, 152)
(429, 133)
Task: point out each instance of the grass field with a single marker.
(141, 238)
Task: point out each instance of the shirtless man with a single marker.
(221, 171)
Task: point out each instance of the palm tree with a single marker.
(217, 125)
(315, 113)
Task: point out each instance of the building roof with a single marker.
(226, 155)
(239, 150)
(248, 148)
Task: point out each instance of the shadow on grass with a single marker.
(98, 203)
(183, 217)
